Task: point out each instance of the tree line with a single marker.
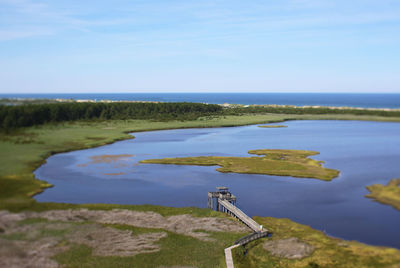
(12, 117)
(310, 110)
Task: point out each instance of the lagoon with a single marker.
(365, 153)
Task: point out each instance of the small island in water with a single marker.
(277, 162)
(386, 194)
(272, 126)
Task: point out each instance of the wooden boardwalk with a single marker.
(228, 256)
(251, 237)
(237, 213)
(224, 201)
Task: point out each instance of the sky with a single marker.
(71, 46)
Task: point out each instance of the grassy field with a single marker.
(23, 151)
(92, 244)
(386, 194)
(293, 163)
(175, 250)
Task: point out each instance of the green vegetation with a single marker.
(328, 251)
(17, 116)
(176, 251)
(255, 109)
(12, 117)
(293, 163)
(386, 194)
(272, 126)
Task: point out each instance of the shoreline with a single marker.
(129, 133)
(388, 194)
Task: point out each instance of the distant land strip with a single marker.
(272, 126)
(14, 116)
(21, 101)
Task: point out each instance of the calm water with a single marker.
(365, 152)
(298, 99)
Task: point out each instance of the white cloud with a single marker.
(11, 35)
(187, 17)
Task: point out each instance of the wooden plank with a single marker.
(228, 256)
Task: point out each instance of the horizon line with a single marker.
(197, 92)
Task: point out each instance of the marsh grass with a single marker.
(24, 150)
(386, 194)
(293, 163)
(272, 126)
(176, 250)
(329, 251)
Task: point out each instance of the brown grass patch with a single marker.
(109, 159)
(107, 241)
(197, 227)
(289, 248)
(272, 126)
(32, 254)
(106, 158)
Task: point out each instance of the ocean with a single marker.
(362, 100)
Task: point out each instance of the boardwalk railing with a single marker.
(237, 213)
(251, 237)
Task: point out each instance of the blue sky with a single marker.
(199, 46)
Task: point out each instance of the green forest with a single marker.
(12, 117)
(257, 109)
(26, 115)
